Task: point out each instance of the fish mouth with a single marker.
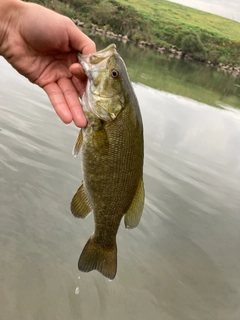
(96, 61)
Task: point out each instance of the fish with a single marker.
(112, 155)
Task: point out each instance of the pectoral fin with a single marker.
(80, 205)
(134, 213)
(78, 144)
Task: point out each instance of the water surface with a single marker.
(183, 261)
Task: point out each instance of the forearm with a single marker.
(10, 11)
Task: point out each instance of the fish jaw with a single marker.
(96, 61)
(103, 96)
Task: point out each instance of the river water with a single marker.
(182, 262)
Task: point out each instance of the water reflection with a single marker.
(182, 261)
(192, 80)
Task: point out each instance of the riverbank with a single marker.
(163, 26)
(171, 52)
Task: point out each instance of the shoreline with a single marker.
(171, 52)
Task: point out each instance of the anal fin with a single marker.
(80, 205)
(134, 213)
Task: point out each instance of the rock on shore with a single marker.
(172, 52)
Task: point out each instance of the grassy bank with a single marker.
(201, 35)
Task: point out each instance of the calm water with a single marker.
(183, 261)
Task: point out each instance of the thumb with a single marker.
(79, 41)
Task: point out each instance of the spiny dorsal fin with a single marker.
(80, 205)
(134, 213)
(78, 144)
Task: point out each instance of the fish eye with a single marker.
(115, 73)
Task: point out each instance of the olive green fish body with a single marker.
(112, 161)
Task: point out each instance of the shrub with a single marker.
(191, 43)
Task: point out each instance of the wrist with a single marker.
(9, 15)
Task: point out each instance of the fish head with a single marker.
(106, 72)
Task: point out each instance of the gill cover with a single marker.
(104, 93)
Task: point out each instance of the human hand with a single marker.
(42, 45)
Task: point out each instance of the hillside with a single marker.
(163, 11)
(200, 35)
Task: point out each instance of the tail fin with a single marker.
(97, 256)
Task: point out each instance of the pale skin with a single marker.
(42, 45)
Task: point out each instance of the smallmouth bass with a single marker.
(112, 158)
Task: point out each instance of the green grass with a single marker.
(163, 11)
(201, 35)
